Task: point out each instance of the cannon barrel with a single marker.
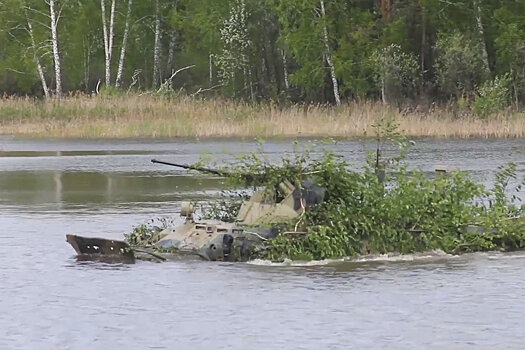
(250, 178)
(191, 167)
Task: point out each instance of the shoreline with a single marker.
(318, 138)
(149, 117)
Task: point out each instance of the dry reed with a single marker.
(134, 116)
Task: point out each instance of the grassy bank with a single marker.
(133, 116)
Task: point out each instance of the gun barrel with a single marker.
(190, 167)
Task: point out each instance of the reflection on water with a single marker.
(49, 300)
(70, 189)
(74, 153)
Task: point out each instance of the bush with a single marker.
(459, 65)
(492, 96)
(397, 73)
(109, 91)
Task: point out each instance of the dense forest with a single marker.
(322, 51)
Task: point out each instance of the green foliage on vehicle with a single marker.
(404, 211)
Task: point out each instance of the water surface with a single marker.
(48, 300)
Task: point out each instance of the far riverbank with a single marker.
(135, 116)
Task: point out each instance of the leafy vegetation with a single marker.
(397, 73)
(459, 65)
(147, 233)
(398, 210)
(309, 51)
(492, 96)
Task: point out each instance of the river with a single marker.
(104, 188)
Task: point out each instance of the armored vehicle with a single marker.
(256, 223)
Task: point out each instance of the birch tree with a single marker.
(120, 69)
(157, 47)
(328, 56)
(235, 38)
(397, 73)
(108, 37)
(481, 33)
(36, 58)
(17, 23)
(172, 41)
(33, 47)
(55, 17)
(286, 75)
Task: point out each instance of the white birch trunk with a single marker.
(423, 39)
(329, 57)
(481, 33)
(56, 52)
(105, 33)
(383, 91)
(39, 68)
(245, 90)
(210, 66)
(120, 69)
(250, 79)
(171, 47)
(110, 40)
(285, 70)
(87, 60)
(108, 37)
(171, 51)
(42, 77)
(423, 48)
(156, 51)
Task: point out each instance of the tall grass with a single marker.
(148, 116)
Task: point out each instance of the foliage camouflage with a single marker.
(405, 211)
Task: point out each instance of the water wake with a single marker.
(388, 257)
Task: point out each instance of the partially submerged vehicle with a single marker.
(257, 221)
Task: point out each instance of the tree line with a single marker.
(324, 51)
